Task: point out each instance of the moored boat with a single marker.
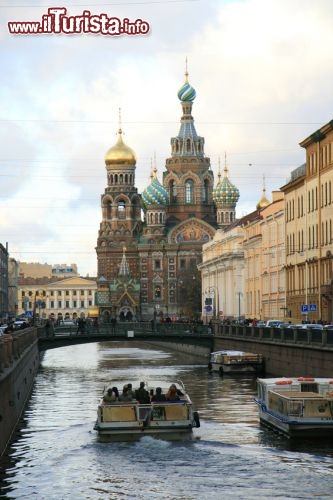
(297, 407)
(158, 415)
(231, 362)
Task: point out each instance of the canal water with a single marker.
(57, 454)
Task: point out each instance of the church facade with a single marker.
(149, 244)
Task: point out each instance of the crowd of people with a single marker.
(141, 395)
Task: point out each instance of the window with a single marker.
(182, 264)
(157, 264)
(121, 210)
(52, 304)
(157, 293)
(189, 194)
(59, 304)
(74, 303)
(82, 303)
(67, 304)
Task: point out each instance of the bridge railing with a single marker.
(312, 337)
(121, 328)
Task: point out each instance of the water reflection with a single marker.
(230, 456)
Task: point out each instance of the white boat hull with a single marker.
(236, 368)
(168, 417)
(297, 407)
(297, 427)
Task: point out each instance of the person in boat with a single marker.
(158, 396)
(111, 395)
(142, 395)
(173, 393)
(130, 391)
(125, 396)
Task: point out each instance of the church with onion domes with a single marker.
(149, 244)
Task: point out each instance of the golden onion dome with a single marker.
(120, 153)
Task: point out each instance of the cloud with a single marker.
(262, 70)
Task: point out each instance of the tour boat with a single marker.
(231, 362)
(121, 419)
(300, 406)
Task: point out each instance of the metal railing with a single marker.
(310, 337)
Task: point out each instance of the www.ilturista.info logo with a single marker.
(56, 22)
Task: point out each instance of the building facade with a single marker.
(309, 231)
(3, 283)
(58, 299)
(147, 266)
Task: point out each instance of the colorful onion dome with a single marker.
(120, 153)
(186, 93)
(155, 193)
(225, 192)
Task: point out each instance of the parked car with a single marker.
(310, 326)
(273, 323)
(261, 324)
(20, 324)
(3, 328)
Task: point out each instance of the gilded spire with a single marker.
(119, 121)
(264, 201)
(225, 170)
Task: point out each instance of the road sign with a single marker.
(313, 307)
(305, 308)
(208, 309)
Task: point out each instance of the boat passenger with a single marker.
(130, 391)
(159, 396)
(111, 395)
(125, 396)
(173, 393)
(142, 395)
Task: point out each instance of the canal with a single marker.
(57, 454)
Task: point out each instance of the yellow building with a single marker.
(65, 298)
(309, 232)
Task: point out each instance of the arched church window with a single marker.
(126, 178)
(172, 191)
(177, 146)
(189, 191)
(121, 178)
(108, 210)
(188, 145)
(121, 209)
(116, 178)
(205, 191)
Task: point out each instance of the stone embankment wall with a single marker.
(285, 360)
(19, 362)
(193, 350)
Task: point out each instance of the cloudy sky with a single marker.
(262, 70)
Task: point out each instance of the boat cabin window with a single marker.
(309, 387)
